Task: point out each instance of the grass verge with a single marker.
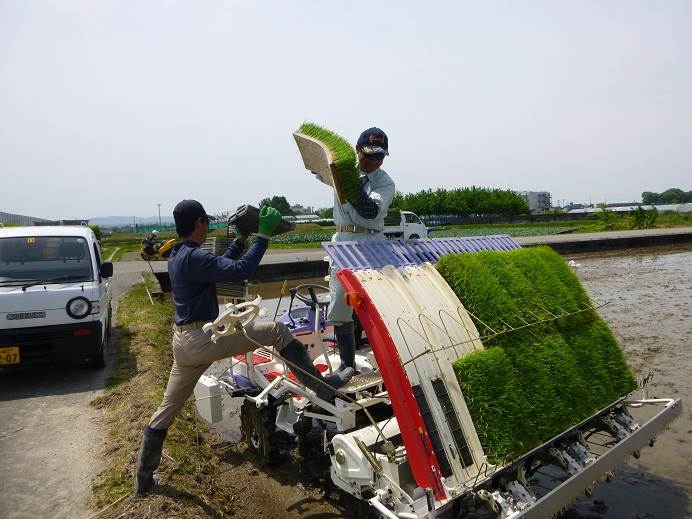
(203, 474)
(142, 360)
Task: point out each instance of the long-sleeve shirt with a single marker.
(194, 273)
(377, 194)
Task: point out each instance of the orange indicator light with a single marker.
(353, 299)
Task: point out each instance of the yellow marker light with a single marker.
(353, 299)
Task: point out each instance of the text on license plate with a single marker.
(9, 355)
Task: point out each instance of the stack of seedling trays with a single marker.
(560, 363)
(230, 289)
(216, 244)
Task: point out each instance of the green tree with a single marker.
(462, 201)
(97, 231)
(326, 212)
(673, 196)
(649, 198)
(278, 202)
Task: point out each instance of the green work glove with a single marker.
(269, 218)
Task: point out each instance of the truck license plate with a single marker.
(9, 355)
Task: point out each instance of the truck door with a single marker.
(104, 288)
(413, 227)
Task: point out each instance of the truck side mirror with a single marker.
(106, 270)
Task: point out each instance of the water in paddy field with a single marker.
(650, 311)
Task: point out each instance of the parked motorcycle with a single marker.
(153, 249)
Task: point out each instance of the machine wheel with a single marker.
(257, 427)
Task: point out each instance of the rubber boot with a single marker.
(295, 353)
(149, 459)
(346, 340)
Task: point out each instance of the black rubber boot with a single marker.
(149, 459)
(295, 353)
(346, 340)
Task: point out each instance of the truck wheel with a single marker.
(109, 328)
(413, 237)
(100, 358)
(257, 427)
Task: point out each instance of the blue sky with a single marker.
(109, 107)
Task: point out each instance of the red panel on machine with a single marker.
(422, 459)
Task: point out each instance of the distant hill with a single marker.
(121, 221)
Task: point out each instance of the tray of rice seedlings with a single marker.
(533, 382)
(332, 158)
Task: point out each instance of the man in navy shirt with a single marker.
(194, 274)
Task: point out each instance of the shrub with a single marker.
(643, 219)
(607, 218)
(97, 231)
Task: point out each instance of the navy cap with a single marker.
(373, 140)
(186, 212)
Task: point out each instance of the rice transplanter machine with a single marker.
(399, 435)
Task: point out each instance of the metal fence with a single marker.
(20, 219)
(454, 219)
(147, 228)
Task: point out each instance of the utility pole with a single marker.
(159, 206)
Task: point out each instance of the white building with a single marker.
(662, 208)
(536, 200)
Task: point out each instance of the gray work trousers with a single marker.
(194, 352)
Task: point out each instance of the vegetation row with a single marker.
(462, 201)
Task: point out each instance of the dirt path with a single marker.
(50, 441)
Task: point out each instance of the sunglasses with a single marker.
(374, 157)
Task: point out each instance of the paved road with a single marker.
(50, 437)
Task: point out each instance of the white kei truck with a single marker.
(55, 296)
(404, 224)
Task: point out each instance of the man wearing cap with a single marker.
(362, 220)
(194, 274)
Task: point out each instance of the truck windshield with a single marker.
(44, 258)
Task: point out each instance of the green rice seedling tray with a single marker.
(532, 383)
(332, 157)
